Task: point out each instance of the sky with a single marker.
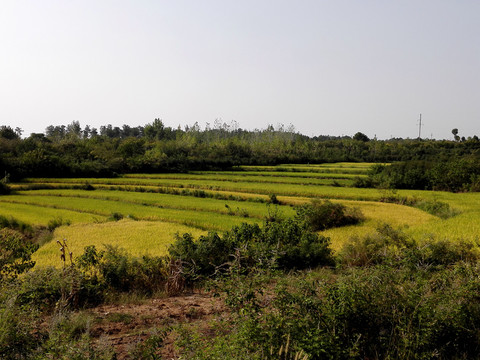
(326, 67)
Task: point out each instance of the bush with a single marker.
(321, 215)
(15, 254)
(17, 325)
(4, 188)
(114, 269)
(115, 216)
(287, 244)
(393, 248)
(378, 312)
(15, 224)
(437, 208)
(57, 222)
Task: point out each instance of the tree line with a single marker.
(76, 151)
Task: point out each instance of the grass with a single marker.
(176, 199)
(198, 181)
(136, 237)
(253, 175)
(309, 190)
(34, 215)
(240, 208)
(199, 219)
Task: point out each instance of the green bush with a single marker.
(57, 222)
(114, 269)
(437, 208)
(115, 216)
(321, 215)
(388, 246)
(17, 329)
(15, 224)
(287, 244)
(377, 312)
(15, 254)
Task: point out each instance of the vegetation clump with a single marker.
(4, 188)
(389, 296)
(321, 215)
(455, 175)
(286, 244)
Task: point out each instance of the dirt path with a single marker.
(122, 327)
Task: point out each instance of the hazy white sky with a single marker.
(329, 67)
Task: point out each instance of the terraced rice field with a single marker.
(156, 206)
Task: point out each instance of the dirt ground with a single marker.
(122, 327)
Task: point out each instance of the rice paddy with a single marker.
(156, 206)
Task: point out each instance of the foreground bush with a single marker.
(377, 312)
(286, 244)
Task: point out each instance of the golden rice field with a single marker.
(156, 206)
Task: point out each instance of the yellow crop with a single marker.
(136, 237)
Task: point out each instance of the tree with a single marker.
(455, 134)
(18, 131)
(361, 137)
(7, 132)
(155, 130)
(74, 130)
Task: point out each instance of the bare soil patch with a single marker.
(122, 327)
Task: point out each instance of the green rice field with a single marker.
(154, 207)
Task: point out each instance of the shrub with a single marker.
(17, 340)
(4, 188)
(114, 269)
(392, 247)
(87, 186)
(15, 224)
(15, 254)
(272, 199)
(57, 222)
(321, 215)
(378, 312)
(287, 244)
(437, 208)
(115, 216)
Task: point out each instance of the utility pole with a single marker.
(420, 127)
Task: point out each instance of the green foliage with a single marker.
(392, 247)
(437, 208)
(393, 309)
(69, 150)
(115, 216)
(114, 269)
(15, 224)
(459, 174)
(42, 289)
(16, 327)
(273, 199)
(361, 137)
(148, 349)
(288, 244)
(15, 254)
(57, 222)
(321, 215)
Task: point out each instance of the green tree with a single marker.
(361, 137)
(155, 130)
(7, 132)
(455, 134)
